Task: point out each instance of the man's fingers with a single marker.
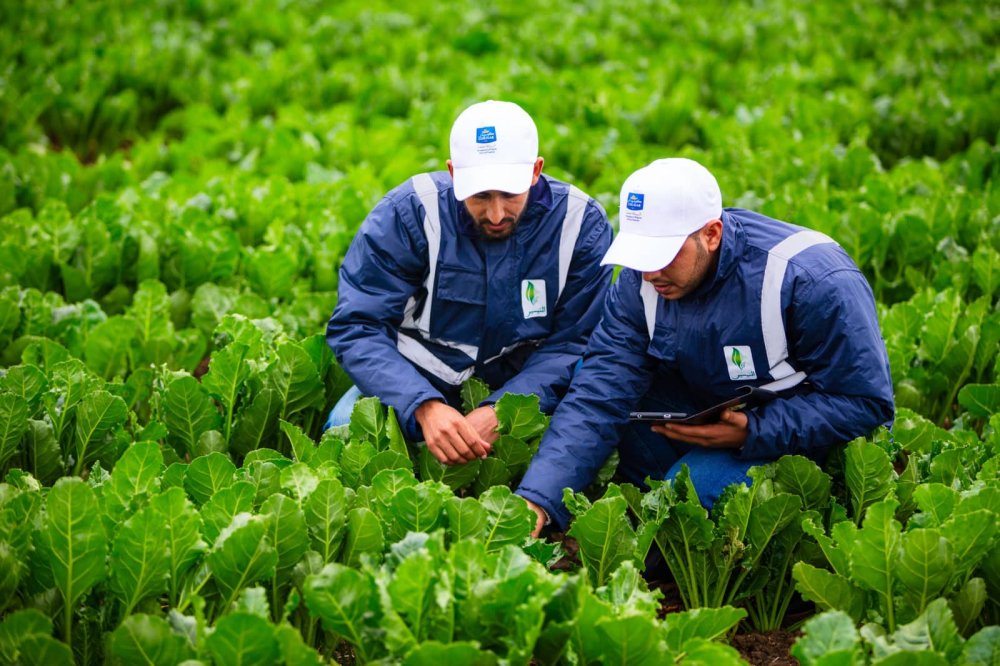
(444, 452)
(465, 445)
(458, 452)
(477, 446)
(728, 434)
(539, 518)
(736, 419)
(539, 524)
(480, 447)
(463, 453)
(699, 435)
(453, 439)
(689, 439)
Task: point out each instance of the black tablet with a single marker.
(747, 396)
(657, 417)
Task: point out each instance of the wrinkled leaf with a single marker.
(242, 555)
(146, 639)
(347, 603)
(188, 412)
(325, 514)
(605, 537)
(208, 475)
(705, 623)
(243, 638)
(364, 537)
(828, 590)
(520, 417)
(509, 520)
(140, 563)
(74, 540)
(828, 634)
(97, 416)
(868, 473)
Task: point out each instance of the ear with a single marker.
(536, 173)
(451, 169)
(711, 233)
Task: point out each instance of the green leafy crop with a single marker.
(179, 183)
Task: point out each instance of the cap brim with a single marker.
(513, 178)
(643, 253)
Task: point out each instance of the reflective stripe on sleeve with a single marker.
(771, 322)
(419, 355)
(788, 382)
(427, 191)
(576, 205)
(650, 299)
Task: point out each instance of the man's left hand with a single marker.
(484, 420)
(729, 433)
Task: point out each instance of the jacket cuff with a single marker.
(753, 447)
(408, 417)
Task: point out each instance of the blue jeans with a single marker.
(341, 412)
(712, 470)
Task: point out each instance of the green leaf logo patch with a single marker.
(739, 362)
(533, 301)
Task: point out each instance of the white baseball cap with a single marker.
(494, 146)
(661, 205)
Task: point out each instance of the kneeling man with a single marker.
(711, 301)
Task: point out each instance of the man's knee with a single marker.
(341, 412)
(712, 470)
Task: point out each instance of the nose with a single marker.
(494, 210)
(648, 276)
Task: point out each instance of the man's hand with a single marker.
(484, 420)
(540, 518)
(729, 433)
(449, 436)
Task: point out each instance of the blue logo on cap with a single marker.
(486, 134)
(635, 201)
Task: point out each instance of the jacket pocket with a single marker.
(460, 285)
(459, 308)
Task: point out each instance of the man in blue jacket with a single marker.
(711, 300)
(490, 269)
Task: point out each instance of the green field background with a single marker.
(179, 182)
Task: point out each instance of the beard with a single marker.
(492, 232)
(680, 284)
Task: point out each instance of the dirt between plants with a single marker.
(769, 648)
(344, 654)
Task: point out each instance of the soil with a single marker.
(769, 648)
(344, 654)
(571, 560)
(671, 601)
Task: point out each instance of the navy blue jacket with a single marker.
(787, 300)
(425, 302)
